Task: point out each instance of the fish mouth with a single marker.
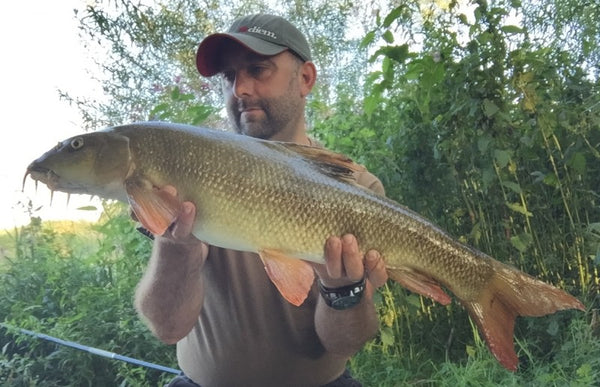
(45, 175)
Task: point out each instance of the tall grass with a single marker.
(76, 285)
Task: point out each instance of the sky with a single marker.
(41, 53)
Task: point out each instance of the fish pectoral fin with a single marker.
(420, 284)
(155, 209)
(293, 277)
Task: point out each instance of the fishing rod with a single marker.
(92, 350)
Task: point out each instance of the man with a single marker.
(231, 325)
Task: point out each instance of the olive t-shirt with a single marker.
(248, 335)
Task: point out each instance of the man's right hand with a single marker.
(180, 231)
(171, 292)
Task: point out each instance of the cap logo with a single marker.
(258, 30)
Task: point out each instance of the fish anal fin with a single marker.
(510, 293)
(419, 283)
(155, 209)
(291, 276)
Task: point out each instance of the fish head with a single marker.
(92, 163)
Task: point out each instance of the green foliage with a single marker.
(176, 106)
(572, 362)
(496, 139)
(80, 295)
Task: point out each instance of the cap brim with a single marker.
(208, 55)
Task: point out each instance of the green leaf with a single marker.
(414, 70)
(370, 104)
(388, 36)
(517, 207)
(471, 351)
(367, 40)
(512, 29)
(502, 157)
(551, 180)
(594, 228)
(175, 93)
(515, 187)
(483, 142)
(397, 53)
(553, 328)
(489, 108)
(578, 163)
(521, 242)
(387, 67)
(393, 15)
(387, 336)
(159, 108)
(87, 208)
(414, 300)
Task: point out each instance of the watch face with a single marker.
(345, 302)
(345, 297)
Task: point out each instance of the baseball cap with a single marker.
(262, 33)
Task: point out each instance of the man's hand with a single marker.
(181, 229)
(345, 332)
(171, 292)
(346, 264)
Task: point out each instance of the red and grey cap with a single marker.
(263, 34)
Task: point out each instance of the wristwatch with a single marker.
(344, 297)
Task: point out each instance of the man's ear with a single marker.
(308, 77)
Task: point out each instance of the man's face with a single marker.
(263, 94)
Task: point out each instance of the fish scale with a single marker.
(283, 201)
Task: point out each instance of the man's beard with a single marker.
(277, 114)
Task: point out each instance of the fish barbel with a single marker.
(282, 201)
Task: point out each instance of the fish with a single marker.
(282, 201)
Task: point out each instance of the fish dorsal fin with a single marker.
(154, 208)
(420, 284)
(331, 163)
(291, 276)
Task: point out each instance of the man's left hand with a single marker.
(346, 264)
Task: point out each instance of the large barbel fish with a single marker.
(283, 201)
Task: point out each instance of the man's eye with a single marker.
(256, 71)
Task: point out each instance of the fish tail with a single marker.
(508, 294)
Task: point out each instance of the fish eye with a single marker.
(77, 143)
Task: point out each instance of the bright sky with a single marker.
(41, 53)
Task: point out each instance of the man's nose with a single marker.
(243, 85)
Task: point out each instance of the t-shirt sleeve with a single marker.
(370, 181)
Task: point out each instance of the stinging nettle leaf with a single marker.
(502, 157)
(489, 108)
(515, 187)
